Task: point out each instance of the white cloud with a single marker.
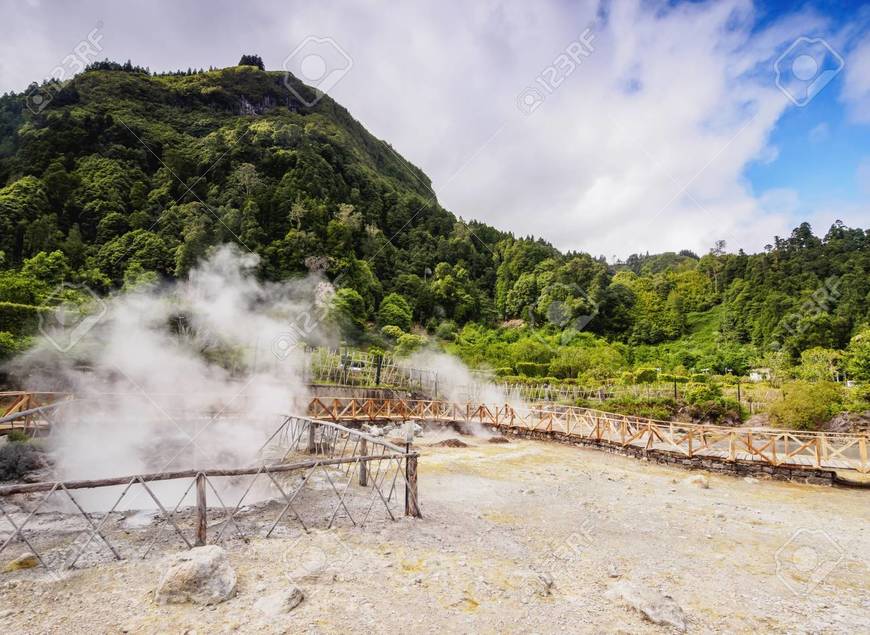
(820, 133)
(856, 87)
(642, 148)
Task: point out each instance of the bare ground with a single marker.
(519, 537)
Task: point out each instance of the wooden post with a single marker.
(312, 448)
(411, 506)
(363, 469)
(201, 521)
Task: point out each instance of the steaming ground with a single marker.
(495, 514)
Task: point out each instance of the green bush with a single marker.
(698, 378)
(393, 332)
(18, 458)
(807, 405)
(504, 372)
(858, 398)
(650, 408)
(646, 375)
(716, 411)
(395, 310)
(699, 393)
(446, 330)
(19, 319)
(408, 343)
(532, 369)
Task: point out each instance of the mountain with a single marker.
(121, 175)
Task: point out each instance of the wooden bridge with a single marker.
(32, 413)
(773, 447)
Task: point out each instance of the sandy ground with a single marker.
(501, 522)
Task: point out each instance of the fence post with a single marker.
(312, 448)
(363, 466)
(379, 359)
(201, 521)
(411, 506)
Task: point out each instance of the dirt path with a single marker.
(519, 537)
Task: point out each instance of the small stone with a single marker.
(281, 602)
(698, 480)
(657, 608)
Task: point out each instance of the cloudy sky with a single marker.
(606, 127)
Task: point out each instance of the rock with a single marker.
(24, 561)
(700, 480)
(657, 608)
(280, 603)
(202, 575)
(543, 584)
(450, 443)
(750, 480)
(613, 570)
(498, 440)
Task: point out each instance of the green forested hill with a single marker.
(126, 175)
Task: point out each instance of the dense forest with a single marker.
(124, 176)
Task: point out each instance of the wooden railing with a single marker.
(840, 451)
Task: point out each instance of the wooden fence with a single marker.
(839, 451)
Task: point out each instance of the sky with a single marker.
(606, 127)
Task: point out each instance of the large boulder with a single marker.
(657, 608)
(202, 575)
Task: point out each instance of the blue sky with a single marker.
(819, 147)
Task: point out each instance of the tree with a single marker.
(395, 310)
(858, 356)
(252, 60)
(348, 311)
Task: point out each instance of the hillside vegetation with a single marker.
(128, 176)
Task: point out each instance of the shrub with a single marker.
(532, 369)
(646, 375)
(17, 459)
(504, 372)
(807, 405)
(408, 343)
(446, 330)
(651, 408)
(19, 319)
(395, 310)
(393, 332)
(716, 411)
(698, 378)
(700, 393)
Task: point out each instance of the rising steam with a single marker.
(180, 376)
